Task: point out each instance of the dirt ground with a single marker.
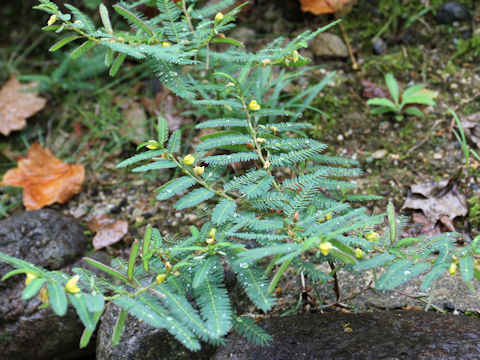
(394, 154)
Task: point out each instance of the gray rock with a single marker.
(452, 11)
(48, 239)
(140, 341)
(448, 289)
(379, 46)
(381, 335)
(44, 237)
(326, 44)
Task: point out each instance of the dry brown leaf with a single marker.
(16, 105)
(440, 201)
(471, 127)
(133, 128)
(372, 90)
(323, 6)
(109, 231)
(45, 178)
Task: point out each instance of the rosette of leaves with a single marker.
(289, 199)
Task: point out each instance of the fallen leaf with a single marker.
(440, 201)
(133, 127)
(164, 104)
(372, 90)
(45, 178)
(323, 6)
(109, 231)
(471, 127)
(16, 105)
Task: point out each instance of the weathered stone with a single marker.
(448, 288)
(326, 44)
(140, 341)
(52, 240)
(44, 237)
(381, 335)
(452, 11)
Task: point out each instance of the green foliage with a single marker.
(402, 103)
(287, 196)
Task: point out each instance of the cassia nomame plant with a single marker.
(289, 198)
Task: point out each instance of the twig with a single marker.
(421, 300)
(355, 65)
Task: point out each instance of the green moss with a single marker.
(474, 211)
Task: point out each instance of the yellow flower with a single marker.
(261, 140)
(71, 285)
(274, 129)
(325, 247)
(199, 170)
(52, 20)
(78, 22)
(43, 295)
(166, 44)
(212, 233)
(359, 253)
(168, 266)
(160, 278)
(210, 241)
(189, 159)
(452, 269)
(328, 216)
(230, 84)
(219, 17)
(152, 145)
(29, 278)
(266, 62)
(371, 236)
(295, 56)
(254, 105)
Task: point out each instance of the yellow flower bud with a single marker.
(29, 278)
(189, 159)
(228, 107)
(266, 62)
(52, 20)
(176, 273)
(371, 236)
(120, 38)
(359, 253)
(219, 16)
(210, 241)
(325, 247)
(160, 278)
(261, 140)
(328, 216)
(274, 129)
(199, 170)
(166, 44)
(152, 145)
(78, 22)
(254, 105)
(168, 266)
(71, 285)
(452, 269)
(230, 84)
(295, 56)
(212, 233)
(43, 295)
(266, 165)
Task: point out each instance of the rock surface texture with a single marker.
(140, 341)
(380, 335)
(48, 239)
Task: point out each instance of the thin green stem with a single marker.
(278, 276)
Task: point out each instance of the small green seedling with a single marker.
(401, 104)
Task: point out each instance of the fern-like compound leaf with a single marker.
(224, 211)
(174, 187)
(193, 198)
